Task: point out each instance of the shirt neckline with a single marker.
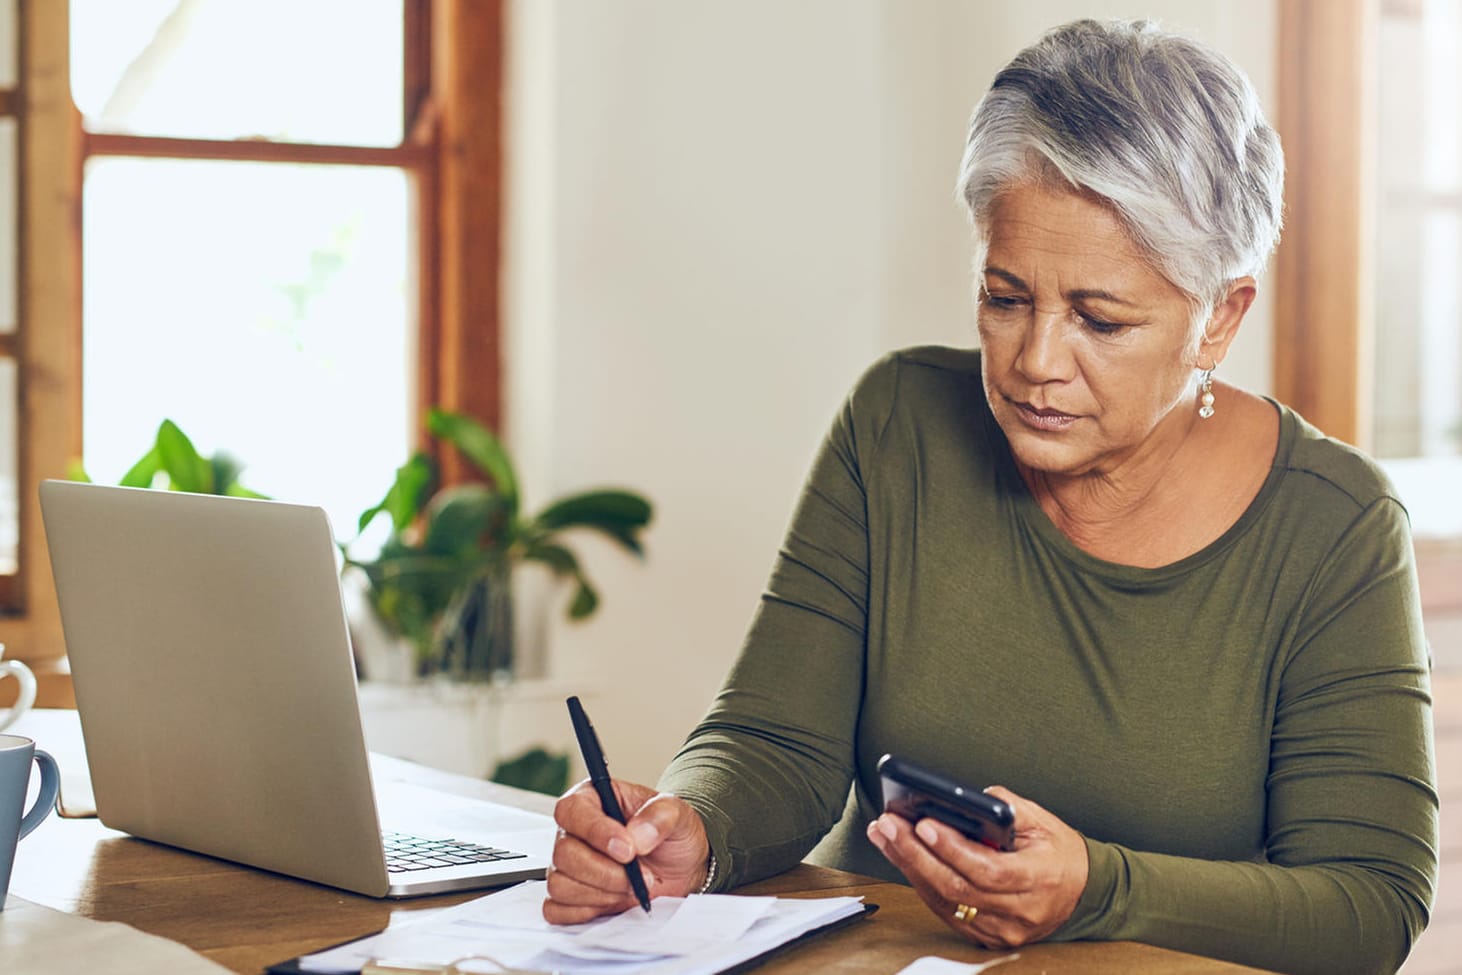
(1037, 521)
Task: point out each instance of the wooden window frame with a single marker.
(12, 106)
(1324, 279)
(452, 145)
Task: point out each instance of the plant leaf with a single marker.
(404, 498)
(596, 507)
(537, 770)
(460, 518)
(565, 563)
(619, 515)
(556, 557)
(140, 475)
(586, 600)
(479, 445)
(411, 589)
(223, 472)
(625, 536)
(76, 472)
(187, 470)
(409, 491)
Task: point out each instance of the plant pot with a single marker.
(468, 728)
(475, 641)
(381, 656)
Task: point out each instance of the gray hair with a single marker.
(1166, 131)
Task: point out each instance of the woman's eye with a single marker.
(1002, 301)
(1102, 327)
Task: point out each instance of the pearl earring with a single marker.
(1205, 398)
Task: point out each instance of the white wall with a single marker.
(719, 213)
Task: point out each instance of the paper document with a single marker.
(37, 940)
(697, 935)
(700, 923)
(934, 965)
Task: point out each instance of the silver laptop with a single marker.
(216, 688)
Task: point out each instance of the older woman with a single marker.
(1176, 621)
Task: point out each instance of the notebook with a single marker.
(216, 689)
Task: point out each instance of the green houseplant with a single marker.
(172, 462)
(174, 455)
(442, 579)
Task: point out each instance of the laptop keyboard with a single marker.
(405, 853)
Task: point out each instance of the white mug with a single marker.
(18, 670)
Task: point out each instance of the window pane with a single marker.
(1418, 388)
(324, 71)
(264, 308)
(9, 73)
(1417, 429)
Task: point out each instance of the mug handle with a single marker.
(50, 790)
(27, 695)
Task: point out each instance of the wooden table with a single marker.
(247, 919)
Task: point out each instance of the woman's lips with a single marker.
(1048, 420)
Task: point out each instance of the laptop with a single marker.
(216, 689)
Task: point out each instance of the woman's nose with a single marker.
(1045, 353)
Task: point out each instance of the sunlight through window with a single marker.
(267, 307)
(1418, 348)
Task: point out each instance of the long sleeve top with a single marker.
(1242, 737)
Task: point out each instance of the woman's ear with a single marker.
(1223, 324)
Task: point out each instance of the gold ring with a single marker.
(965, 913)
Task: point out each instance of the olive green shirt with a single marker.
(1243, 737)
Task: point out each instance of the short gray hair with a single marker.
(1166, 131)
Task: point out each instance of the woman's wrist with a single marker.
(704, 879)
(709, 879)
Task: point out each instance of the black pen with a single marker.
(599, 776)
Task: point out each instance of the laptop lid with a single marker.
(215, 684)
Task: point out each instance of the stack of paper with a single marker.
(696, 935)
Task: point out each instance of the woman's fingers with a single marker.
(982, 926)
(1017, 897)
(587, 876)
(943, 888)
(579, 813)
(574, 860)
(570, 901)
(962, 869)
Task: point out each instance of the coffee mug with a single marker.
(18, 670)
(16, 754)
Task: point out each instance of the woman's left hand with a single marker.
(1017, 897)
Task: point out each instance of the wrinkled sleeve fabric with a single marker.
(1352, 809)
(770, 766)
(1333, 863)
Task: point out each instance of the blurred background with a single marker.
(650, 242)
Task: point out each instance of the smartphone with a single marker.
(915, 792)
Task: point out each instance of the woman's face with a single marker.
(1088, 352)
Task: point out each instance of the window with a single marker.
(287, 242)
(1323, 274)
(10, 337)
(1417, 390)
(1368, 310)
(265, 304)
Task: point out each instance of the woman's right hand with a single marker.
(587, 878)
